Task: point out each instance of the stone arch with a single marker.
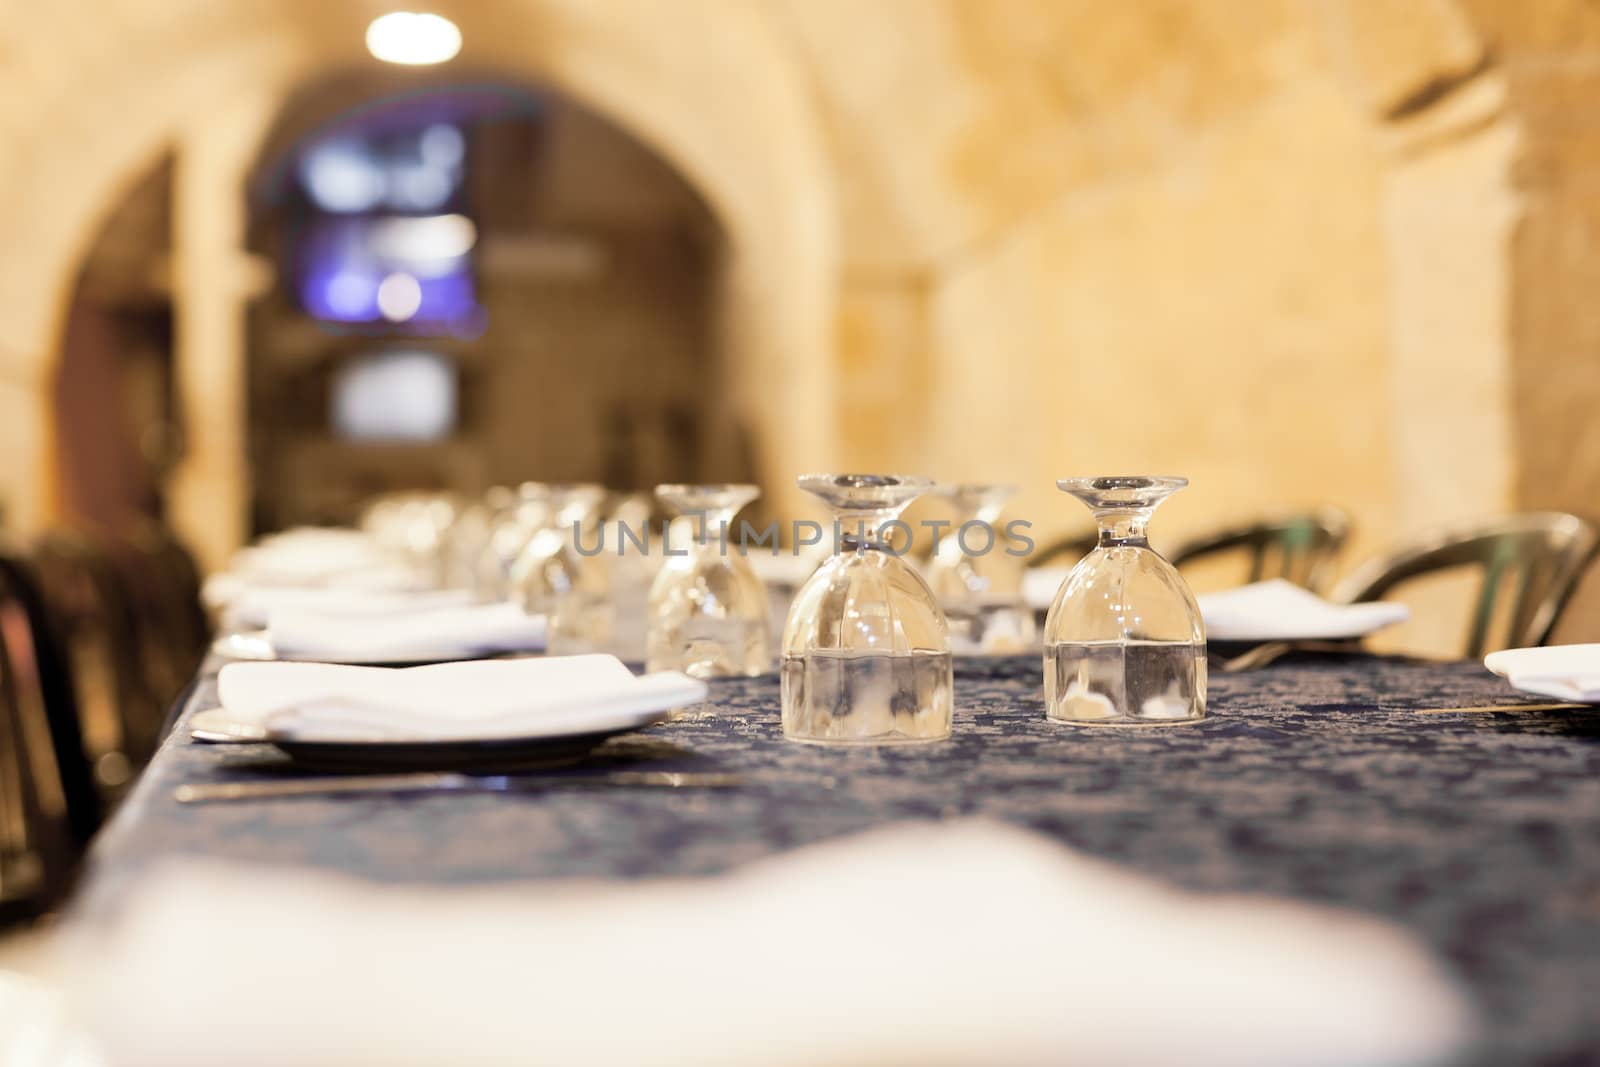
(705, 84)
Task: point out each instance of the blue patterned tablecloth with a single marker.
(1322, 779)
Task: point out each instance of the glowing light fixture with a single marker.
(424, 238)
(442, 145)
(413, 38)
(400, 395)
(399, 297)
(341, 175)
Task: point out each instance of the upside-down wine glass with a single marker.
(468, 537)
(517, 517)
(709, 614)
(1124, 644)
(977, 579)
(552, 578)
(866, 649)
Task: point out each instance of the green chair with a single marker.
(1530, 565)
(1067, 550)
(1301, 547)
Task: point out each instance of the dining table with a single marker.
(1429, 793)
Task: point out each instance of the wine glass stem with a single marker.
(1123, 527)
(709, 524)
(863, 529)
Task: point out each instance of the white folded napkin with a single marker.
(256, 607)
(313, 540)
(308, 553)
(446, 633)
(1039, 585)
(312, 558)
(968, 943)
(222, 590)
(1274, 610)
(1282, 611)
(1565, 672)
(786, 570)
(476, 699)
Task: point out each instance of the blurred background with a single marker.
(263, 261)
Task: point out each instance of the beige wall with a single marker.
(1300, 250)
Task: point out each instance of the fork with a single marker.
(448, 782)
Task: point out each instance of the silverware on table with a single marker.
(449, 782)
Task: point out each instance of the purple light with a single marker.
(342, 266)
(350, 296)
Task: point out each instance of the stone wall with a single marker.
(1265, 244)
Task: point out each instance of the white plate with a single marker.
(244, 644)
(256, 646)
(469, 701)
(448, 715)
(215, 726)
(1263, 611)
(549, 745)
(1282, 611)
(1565, 672)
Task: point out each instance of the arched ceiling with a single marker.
(112, 86)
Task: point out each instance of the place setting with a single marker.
(387, 630)
(489, 726)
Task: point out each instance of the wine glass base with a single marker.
(863, 742)
(1129, 724)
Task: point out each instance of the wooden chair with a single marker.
(49, 806)
(24, 882)
(1301, 548)
(95, 615)
(1530, 565)
(162, 585)
(43, 679)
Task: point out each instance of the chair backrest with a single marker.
(1300, 547)
(1065, 551)
(42, 679)
(1533, 559)
(162, 585)
(23, 879)
(47, 803)
(96, 616)
(182, 582)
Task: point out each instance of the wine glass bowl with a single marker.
(708, 611)
(977, 579)
(551, 577)
(515, 517)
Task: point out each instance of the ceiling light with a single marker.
(413, 38)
